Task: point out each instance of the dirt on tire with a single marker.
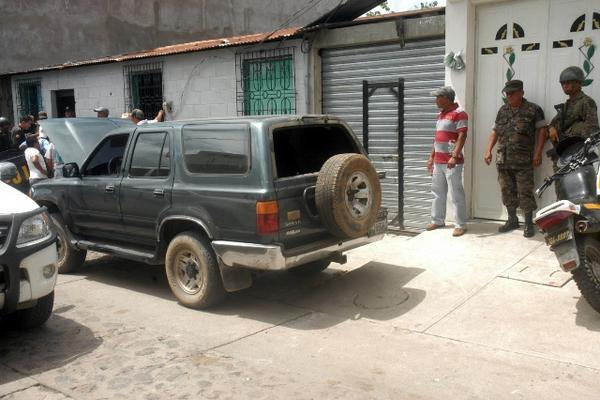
(210, 289)
(348, 195)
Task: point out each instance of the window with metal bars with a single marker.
(266, 82)
(143, 86)
(29, 96)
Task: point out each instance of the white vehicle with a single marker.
(28, 257)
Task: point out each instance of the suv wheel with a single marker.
(348, 195)
(69, 258)
(35, 316)
(193, 271)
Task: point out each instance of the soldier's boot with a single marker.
(511, 223)
(529, 230)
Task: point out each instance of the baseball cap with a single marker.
(445, 91)
(101, 109)
(137, 113)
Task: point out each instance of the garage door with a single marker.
(420, 64)
(531, 40)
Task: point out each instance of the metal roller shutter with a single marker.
(421, 65)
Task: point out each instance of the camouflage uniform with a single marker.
(516, 132)
(578, 117)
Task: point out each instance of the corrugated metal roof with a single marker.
(347, 11)
(256, 38)
(378, 18)
(200, 45)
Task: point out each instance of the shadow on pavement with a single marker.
(586, 316)
(140, 277)
(56, 344)
(375, 290)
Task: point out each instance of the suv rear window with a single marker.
(304, 149)
(216, 149)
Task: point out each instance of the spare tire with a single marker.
(348, 195)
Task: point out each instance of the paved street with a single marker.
(485, 316)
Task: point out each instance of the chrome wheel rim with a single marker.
(187, 272)
(358, 195)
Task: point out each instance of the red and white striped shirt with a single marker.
(449, 124)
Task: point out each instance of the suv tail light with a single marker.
(552, 219)
(267, 217)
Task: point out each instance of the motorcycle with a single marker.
(571, 225)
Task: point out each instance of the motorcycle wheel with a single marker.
(587, 276)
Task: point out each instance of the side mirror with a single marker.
(8, 171)
(71, 170)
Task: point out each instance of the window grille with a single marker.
(29, 96)
(143, 87)
(266, 82)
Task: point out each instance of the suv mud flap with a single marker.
(235, 279)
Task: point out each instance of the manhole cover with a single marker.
(376, 301)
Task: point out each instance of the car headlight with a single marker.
(34, 229)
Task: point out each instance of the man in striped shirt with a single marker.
(446, 161)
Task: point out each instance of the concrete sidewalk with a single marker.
(483, 316)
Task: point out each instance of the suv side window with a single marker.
(216, 149)
(106, 161)
(151, 155)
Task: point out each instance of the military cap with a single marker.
(446, 92)
(513, 86)
(571, 74)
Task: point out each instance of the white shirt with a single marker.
(147, 121)
(34, 172)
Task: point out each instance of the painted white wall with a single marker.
(201, 84)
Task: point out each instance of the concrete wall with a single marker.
(48, 32)
(198, 84)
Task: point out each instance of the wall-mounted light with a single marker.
(454, 61)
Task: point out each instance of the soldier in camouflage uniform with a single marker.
(578, 115)
(520, 131)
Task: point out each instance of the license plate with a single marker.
(378, 228)
(557, 238)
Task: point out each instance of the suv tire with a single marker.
(341, 178)
(69, 258)
(193, 272)
(35, 316)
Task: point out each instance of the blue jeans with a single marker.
(444, 178)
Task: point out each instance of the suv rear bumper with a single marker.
(272, 257)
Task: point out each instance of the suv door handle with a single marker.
(109, 189)
(159, 192)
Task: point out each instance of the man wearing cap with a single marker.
(446, 161)
(138, 118)
(578, 116)
(520, 131)
(69, 113)
(101, 112)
